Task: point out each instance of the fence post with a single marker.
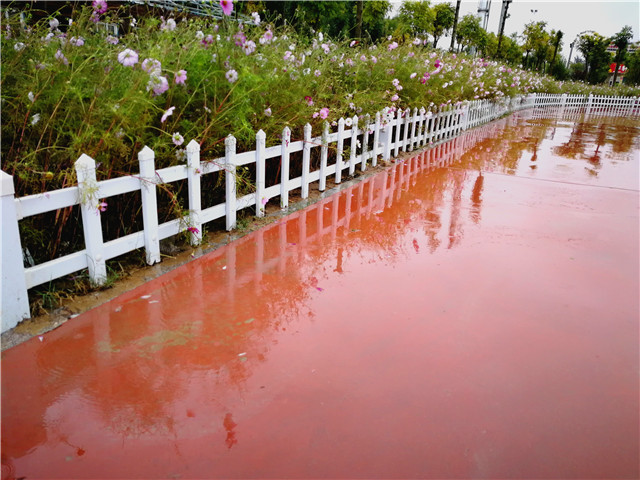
(407, 135)
(261, 139)
(396, 149)
(589, 102)
(414, 121)
(387, 131)
(306, 160)
(354, 145)
(88, 187)
(324, 151)
(149, 205)
(195, 197)
(14, 301)
(420, 139)
(376, 139)
(230, 181)
(284, 170)
(339, 149)
(563, 100)
(365, 142)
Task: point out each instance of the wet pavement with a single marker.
(471, 312)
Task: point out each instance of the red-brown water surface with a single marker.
(471, 312)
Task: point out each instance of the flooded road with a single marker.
(471, 312)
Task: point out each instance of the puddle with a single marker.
(458, 315)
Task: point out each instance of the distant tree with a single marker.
(511, 51)
(444, 15)
(469, 32)
(557, 42)
(534, 40)
(633, 64)
(374, 21)
(417, 17)
(621, 40)
(594, 48)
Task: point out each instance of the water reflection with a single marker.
(165, 364)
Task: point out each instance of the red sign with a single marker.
(621, 69)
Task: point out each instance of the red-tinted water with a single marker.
(428, 322)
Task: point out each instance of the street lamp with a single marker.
(572, 44)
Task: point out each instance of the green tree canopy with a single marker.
(621, 40)
(416, 17)
(469, 32)
(594, 48)
(444, 15)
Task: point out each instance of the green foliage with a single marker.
(444, 15)
(621, 40)
(594, 48)
(469, 33)
(633, 64)
(416, 18)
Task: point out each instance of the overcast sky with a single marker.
(570, 16)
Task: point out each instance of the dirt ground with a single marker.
(135, 276)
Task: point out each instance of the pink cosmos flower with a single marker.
(177, 139)
(180, 77)
(249, 47)
(317, 73)
(60, 56)
(77, 41)
(128, 57)
(393, 46)
(267, 112)
(193, 230)
(227, 6)
(112, 40)
(324, 112)
(158, 84)
(437, 63)
(99, 6)
(231, 76)
(167, 114)
(151, 66)
(102, 206)
(309, 100)
(266, 38)
(395, 98)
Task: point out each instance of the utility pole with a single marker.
(455, 24)
(503, 19)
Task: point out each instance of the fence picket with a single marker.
(195, 197)
(230, 182)
(261, 200)
(92, 227)
(339, 149)
(376, 139)
(149, 205)
(365, 142)
(354, 141)
(284, 169)
(324, 150)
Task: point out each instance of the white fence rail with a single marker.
(387, 135)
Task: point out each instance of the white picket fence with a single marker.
(388, 133)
